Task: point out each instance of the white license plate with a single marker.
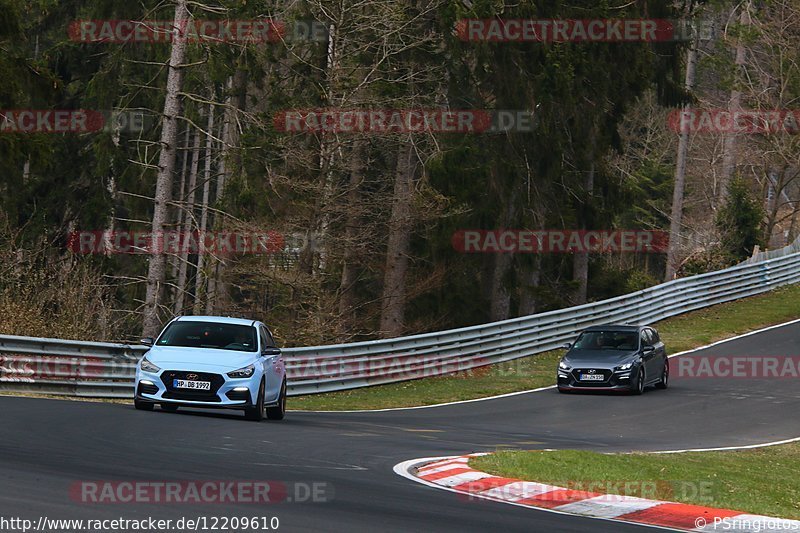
(194, 385)
(592, 377)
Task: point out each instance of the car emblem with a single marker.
(592, 370)
(191, 377)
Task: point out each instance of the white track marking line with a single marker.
(729, 448)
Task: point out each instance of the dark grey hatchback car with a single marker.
(614, 358)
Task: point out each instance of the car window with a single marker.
(270, 339)
(647, 337)
(190, 334)
(606, 340)
(263, 337)
(654, 334)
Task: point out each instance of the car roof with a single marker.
(615, 327)
(218, 320)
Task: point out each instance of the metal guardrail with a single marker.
(105, 370)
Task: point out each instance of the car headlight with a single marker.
(626, 366)
(245, 372)
(147, 366)
(563, 366)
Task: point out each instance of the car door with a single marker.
(661, 350)
(273, 363)
(649, 356)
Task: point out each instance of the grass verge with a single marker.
(758, 481)
(680, 333)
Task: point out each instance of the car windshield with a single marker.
(210, 335)
(607, 340)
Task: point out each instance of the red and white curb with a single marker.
(454, 474)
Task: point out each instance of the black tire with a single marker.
(663, 383)
(256, 413)
(143, 406)
(638, 389)
(169, 407)
(277, 412)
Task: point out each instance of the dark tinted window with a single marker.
(209, 335)
(654, 334)
(607, 340)
(270, 340)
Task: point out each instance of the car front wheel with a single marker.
(256, 413)
(278, 411)
(638, 388)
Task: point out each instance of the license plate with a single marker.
(194, 385)
(592, 377)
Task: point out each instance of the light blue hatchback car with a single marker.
(213, 362)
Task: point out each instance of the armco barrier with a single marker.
(105, 370)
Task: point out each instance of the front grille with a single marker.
(576, 373)
(192, 395)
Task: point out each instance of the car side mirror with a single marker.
(147, 341)
(648, 349)
(271, 351)
(567, 346)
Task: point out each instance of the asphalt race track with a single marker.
(47, 445)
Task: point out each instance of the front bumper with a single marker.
(613, 380)
(225, 392)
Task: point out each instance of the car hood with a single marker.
(181, 358)
(600, 358)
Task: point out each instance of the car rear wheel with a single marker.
(169, 407)
(638, 388)
(278, 411)
(256, 413)
(143, 406)
(664, 382)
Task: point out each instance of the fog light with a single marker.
(146, 382)
(241, 389)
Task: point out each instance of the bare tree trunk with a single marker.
(228, 163)
(166, 163)
(175, 259)
(499, 294)
(793, 224)
(349, 259)
(394, 295)
(200, 277)
(500, 302)
(580, 260)
(188, 223)
(729, 152)
(676, 216)
(528, 279)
